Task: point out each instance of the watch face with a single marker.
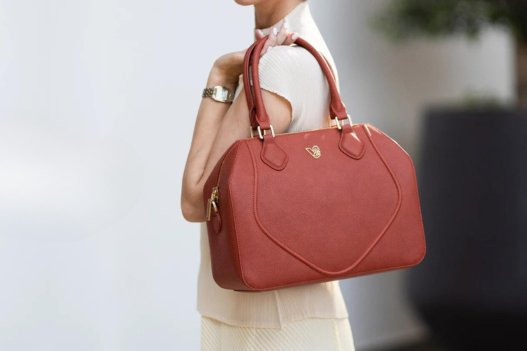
(221, 94)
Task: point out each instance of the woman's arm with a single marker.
(218, 125)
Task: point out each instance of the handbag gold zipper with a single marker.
(213, 202)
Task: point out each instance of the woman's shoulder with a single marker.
(293, 73)
(290, 60)
(286, 69)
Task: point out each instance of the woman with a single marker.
(296, 96)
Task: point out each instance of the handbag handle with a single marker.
(247, 83)
(257, 113)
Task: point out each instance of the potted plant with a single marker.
(472, 287)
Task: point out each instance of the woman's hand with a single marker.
(228, 68)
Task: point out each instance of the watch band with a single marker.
(218, 93)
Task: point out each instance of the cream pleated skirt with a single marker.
(312, 334)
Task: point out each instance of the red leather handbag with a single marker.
(313, 206)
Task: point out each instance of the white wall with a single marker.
(97, 103)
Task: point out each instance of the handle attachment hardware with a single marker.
(339, 125)
(260, 131)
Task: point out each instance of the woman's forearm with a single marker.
(213, 116)
(208, 120)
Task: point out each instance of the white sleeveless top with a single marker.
(293, 73)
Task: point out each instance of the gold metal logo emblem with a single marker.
(314, 151)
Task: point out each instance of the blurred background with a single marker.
(97, 107)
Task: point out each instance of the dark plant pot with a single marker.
(471, 288)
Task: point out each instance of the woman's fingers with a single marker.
(282, 34)
(270, 42)
(258, 34)
(277, 37)
(291, 37)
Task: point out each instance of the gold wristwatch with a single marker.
(219, 93)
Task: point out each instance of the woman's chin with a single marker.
(247, 2)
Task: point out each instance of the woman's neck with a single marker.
(270, 12)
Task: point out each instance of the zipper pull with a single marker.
(212, 203)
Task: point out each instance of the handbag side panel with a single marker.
(223, 245)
